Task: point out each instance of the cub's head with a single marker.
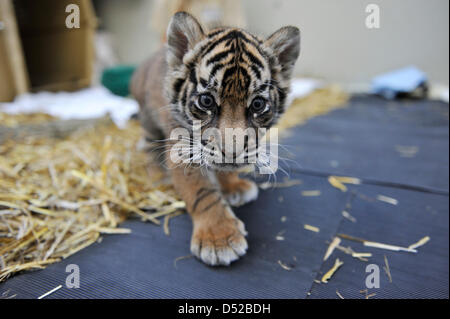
(227, 78)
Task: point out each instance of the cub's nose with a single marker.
(233, 126)
(233, 149)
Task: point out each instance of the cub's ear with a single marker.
(183, 33)
(285, 43)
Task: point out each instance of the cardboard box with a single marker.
(13, 75)
(54, 57)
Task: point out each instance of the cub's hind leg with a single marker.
(152, 143)
(237, 191)
(147, 87)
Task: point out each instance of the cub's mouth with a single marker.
(216, 154)
(230, 166)
(219, 159)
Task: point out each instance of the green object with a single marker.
(117, 79)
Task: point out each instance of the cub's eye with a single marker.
(258, 104)
(206, 101)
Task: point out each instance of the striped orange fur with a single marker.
(222, 78)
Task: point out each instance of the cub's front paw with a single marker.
(219, 241)
(240, 192)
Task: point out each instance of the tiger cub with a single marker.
(224, 78)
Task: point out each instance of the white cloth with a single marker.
(88, 103)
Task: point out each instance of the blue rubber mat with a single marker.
(416, 215)
(399, 149)
(392, 142)
(142, 264)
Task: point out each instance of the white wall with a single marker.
(336, 45)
